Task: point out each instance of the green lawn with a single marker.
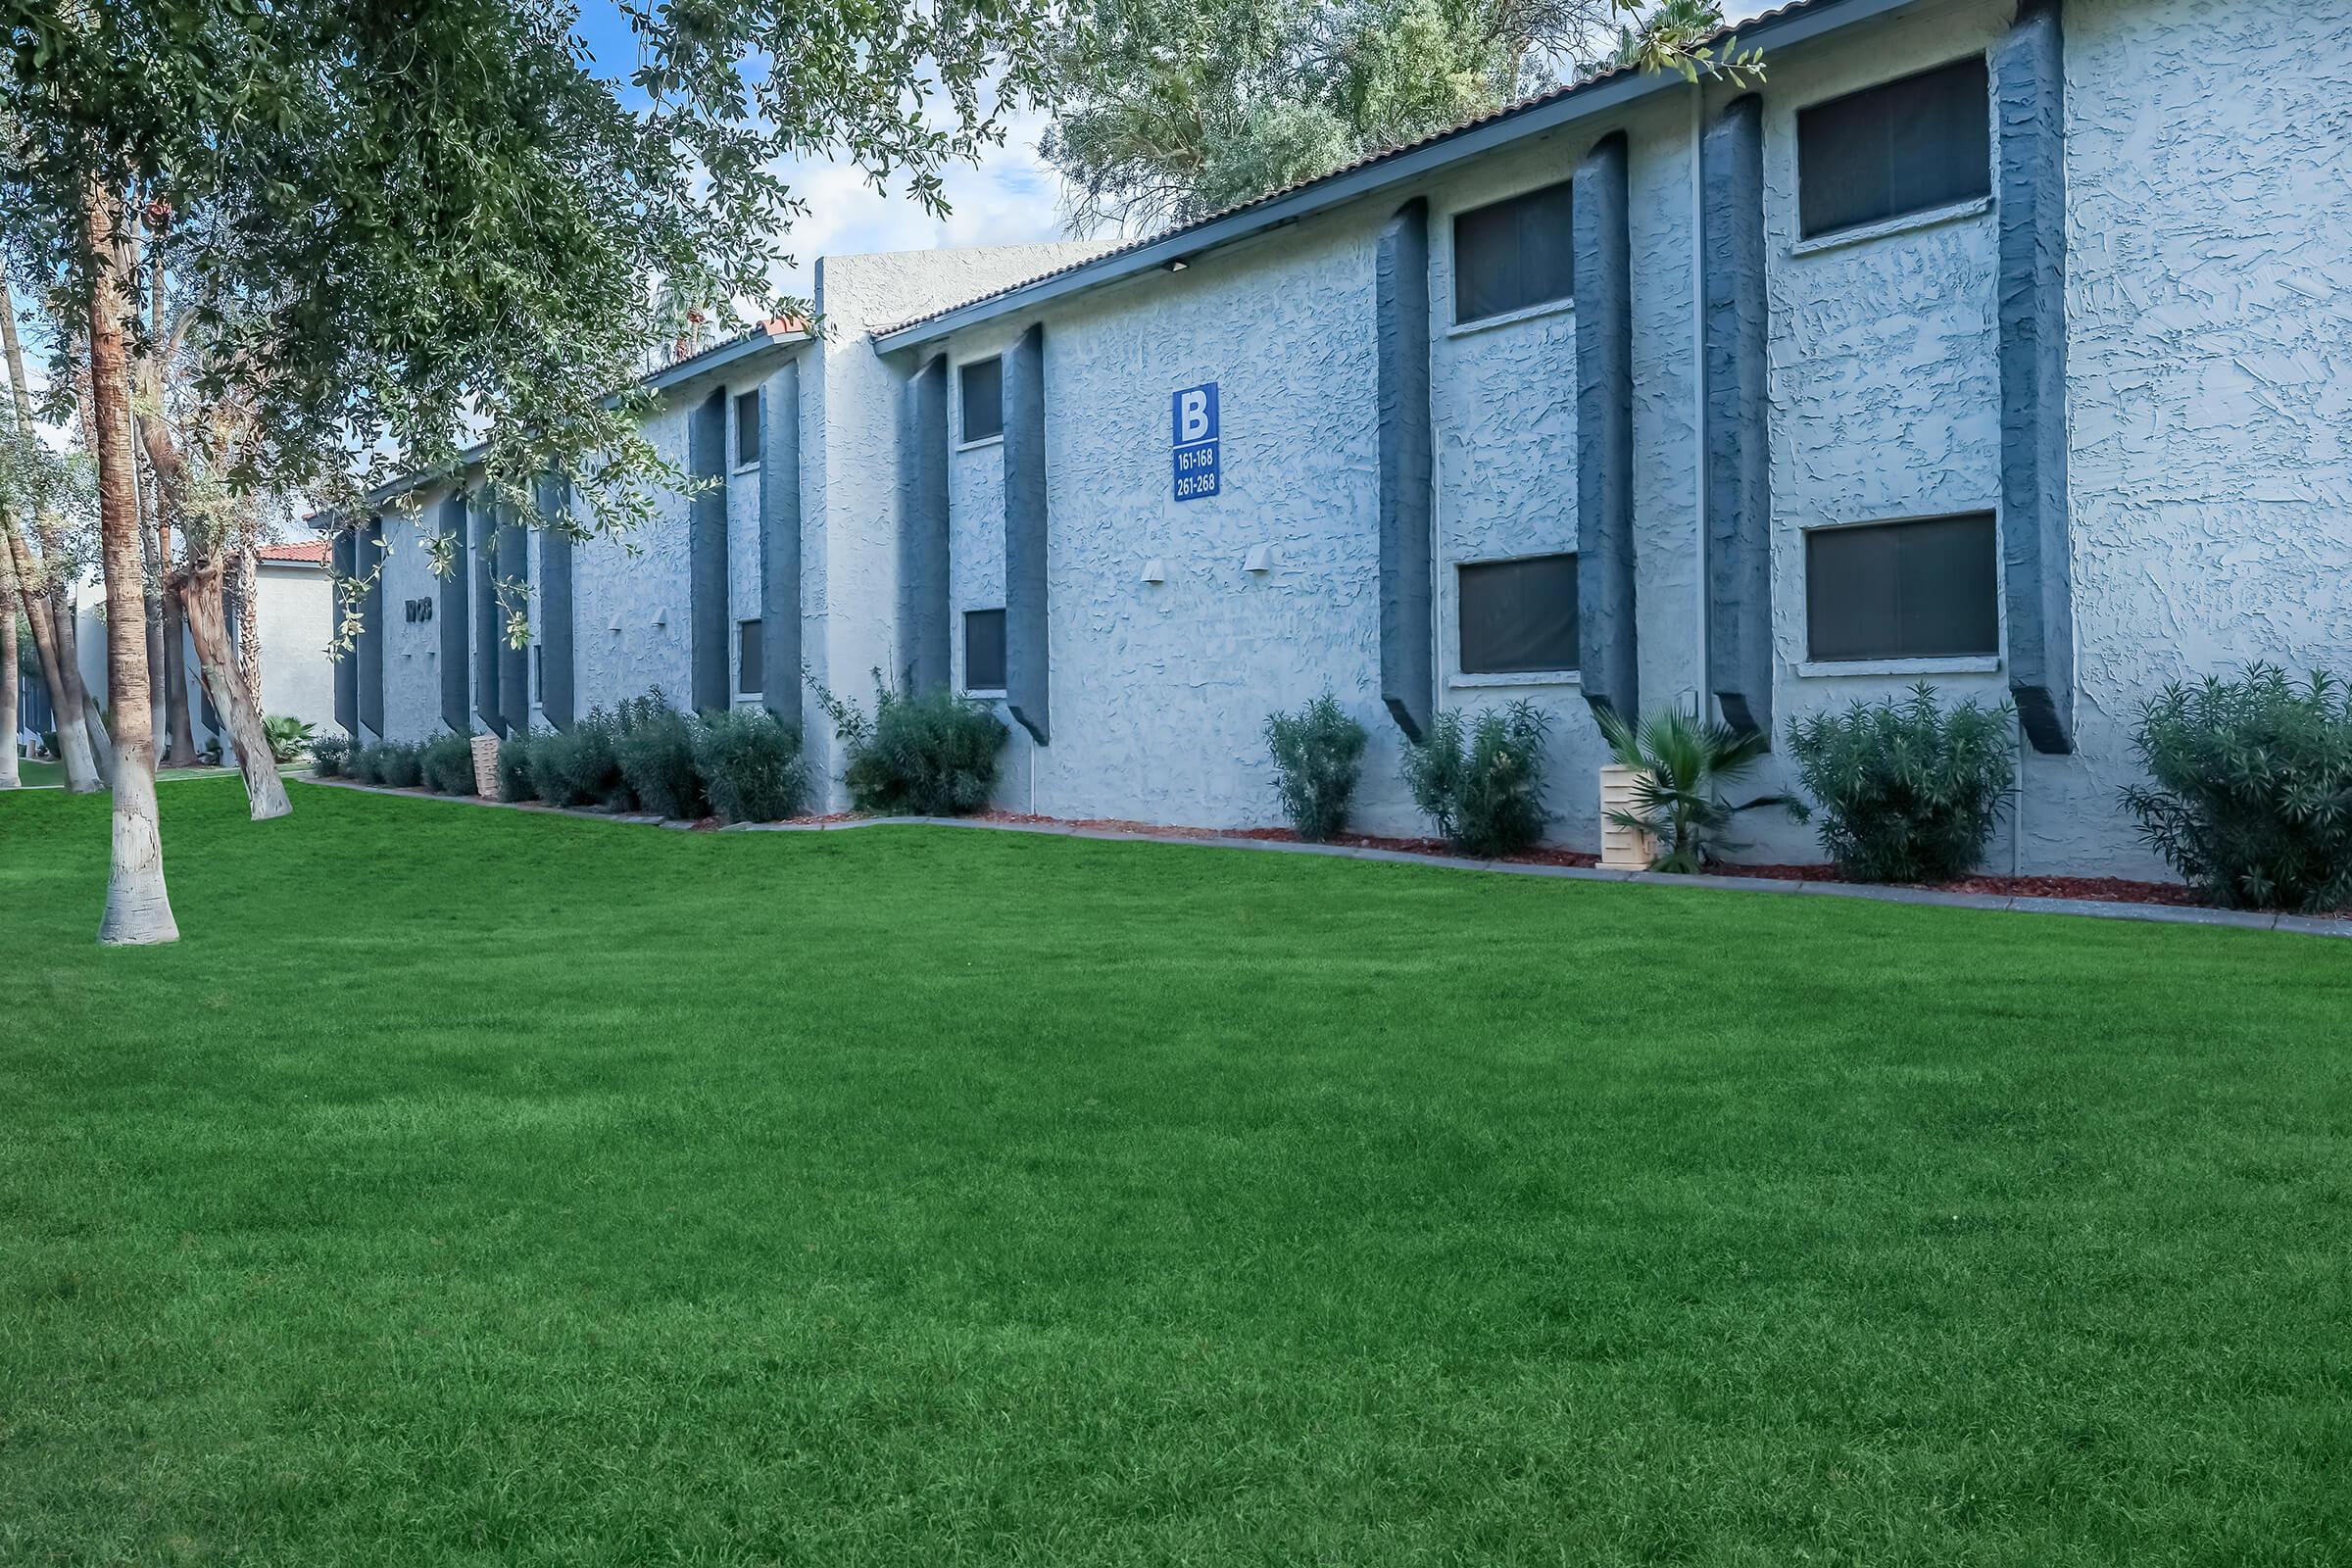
(30, 774)
(471, 1186)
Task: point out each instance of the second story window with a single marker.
(982, 384)
(1906, 146)
(747, 428)
(1514, 254)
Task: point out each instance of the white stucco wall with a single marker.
(297, 615)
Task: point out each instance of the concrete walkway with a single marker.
(2093, 908)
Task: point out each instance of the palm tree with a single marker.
(1679, 762)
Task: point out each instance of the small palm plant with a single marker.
(289, 737)
(1681, 763)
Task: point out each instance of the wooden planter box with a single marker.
(485, 766)
(1622, 849)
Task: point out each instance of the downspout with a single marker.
(1698, 387)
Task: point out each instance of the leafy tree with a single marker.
(1175, 109)
(426, 223)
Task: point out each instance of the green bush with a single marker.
(1483, 783)
(2252, 802)
(446, 762)
(750, 764)
(395, 764)
(576, 766)
(367, 762)
(926, 754)
(288, 736)
(654, 747)
(1317, 754)
(515, 756)
(1908, 791)
(331, 756)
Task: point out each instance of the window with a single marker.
(1902, 147)
(983, 383)
(1518, 617)
(984, 650)
(538, 674)
(1514, 254)
(750, 662)
(746, 429)
(1903, 590)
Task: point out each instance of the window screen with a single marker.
(984, 650)
(751, 659)
(983, 399)
(1518, 616)
(1903, 590)
(747, 428)
(1902, 147)
(1514, 253)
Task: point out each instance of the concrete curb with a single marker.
(2089, 909)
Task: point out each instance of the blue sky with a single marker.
(1010, 198)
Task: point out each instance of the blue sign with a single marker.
(1193, 433)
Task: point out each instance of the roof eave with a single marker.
(1599, 97)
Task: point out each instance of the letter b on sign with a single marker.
(1195, 415)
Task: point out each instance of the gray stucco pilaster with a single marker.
(347, 659)
(707, 556)
(780, 541)
(1026, 666)
(2029, 92)
(1739, 453)
(482, 527)
(454, 613)
(1604, 431)
(513, 664)
(923, 608)
(556, 654)
(368, 560)
(1400, 328)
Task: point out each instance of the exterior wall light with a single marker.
(1178, 264)
(1259, 558)
(1154, 570)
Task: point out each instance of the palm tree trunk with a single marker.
(225, 684)
(138, 906)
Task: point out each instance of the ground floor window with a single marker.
(1517, 617)
(751, 664)
(1923, 589)
(984, 650)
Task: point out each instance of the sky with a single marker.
(1010, 198)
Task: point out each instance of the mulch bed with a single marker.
(2096, 889)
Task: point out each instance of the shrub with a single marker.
(1482, 784)
(750, 764)
(1317, 751)
(391, 762)
(1682, 763)
(287, 736)
(515, 764)
(2253, 797)
(654, 747)
(331, 756)
(1908, 791)
(576, 766)
(928, 754)
(446, 762)
(365, 761)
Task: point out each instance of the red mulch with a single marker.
(2098, 889)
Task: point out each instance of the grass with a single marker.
(30, 773)
(471, 1186)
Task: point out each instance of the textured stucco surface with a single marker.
(2207, 400)
(297, 619)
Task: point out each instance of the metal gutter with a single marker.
(1603, 94)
